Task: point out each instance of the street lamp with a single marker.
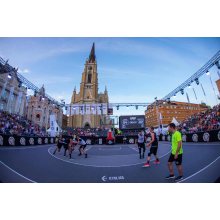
(207, 73)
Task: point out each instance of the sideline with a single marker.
(32, 181)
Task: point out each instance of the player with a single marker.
(59, 144)
(71, 146)
(141, 144)
(82, 147)
(65, 145)
(153, 150)
(176, 154)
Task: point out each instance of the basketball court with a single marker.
(106, 164)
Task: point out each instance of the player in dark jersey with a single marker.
(153, 144)
(65, 145)
(58, 145)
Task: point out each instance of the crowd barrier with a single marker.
(10, 140)
(207, 136)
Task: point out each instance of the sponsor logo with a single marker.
(206, 137)
(46, 140)
(88, 141)
(110, 142)
(219, 135)
(1, 140)
(163, 138)
(184, 138)
(131, 140)
(31, 141)
(11, 141)
(39, 141)
(51, 140)
(22, 141)
(195, 138)
(112, 178)
(168, 137)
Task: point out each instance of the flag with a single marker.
(187, 97)
(218, 74)
(93, 109)
(3, 89)
(18, 103)
(99, 109)
(203, 89)
(194, 93)
(52, 126)
(88, 109)
(104, 109)
(68, 110)
(10, 98)
(81, 109)
(161, 117)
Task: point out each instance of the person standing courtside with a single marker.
(153, 144)
(141, 144)
(176, 153)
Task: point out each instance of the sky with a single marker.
(133, 69)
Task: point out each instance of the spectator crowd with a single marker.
(13, 124)
(203, 121)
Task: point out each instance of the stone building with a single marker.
(39, 108)
(88, 95)
(164, 112)
(12, 93)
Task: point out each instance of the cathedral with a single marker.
(88, 96)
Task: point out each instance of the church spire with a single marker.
(106, 91)
(92, 54)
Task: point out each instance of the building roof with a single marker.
(92, 56)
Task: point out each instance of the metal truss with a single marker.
(114, 104)
(6, 68)
(213, 61)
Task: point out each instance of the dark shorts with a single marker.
(178, 161)
(59, 145)
(153, 150)
(141, 145)
(83, 146)
(65, 146)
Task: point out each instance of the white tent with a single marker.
(54, 127)
(175, 121)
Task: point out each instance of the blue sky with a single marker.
(133, 69)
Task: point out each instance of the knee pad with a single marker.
(149, 154)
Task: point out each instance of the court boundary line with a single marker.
(79, 164)
(14, 171)
(201, 170)
(24, 148)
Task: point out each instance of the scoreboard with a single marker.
(132, 122)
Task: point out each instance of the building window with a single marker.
(89, 78)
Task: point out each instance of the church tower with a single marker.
(89, 83)
(88, 94)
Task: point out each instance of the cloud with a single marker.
(48, 81)
(23, 70)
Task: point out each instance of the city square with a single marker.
(44, 139)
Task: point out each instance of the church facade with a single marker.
(39, 108)
(87, 96)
